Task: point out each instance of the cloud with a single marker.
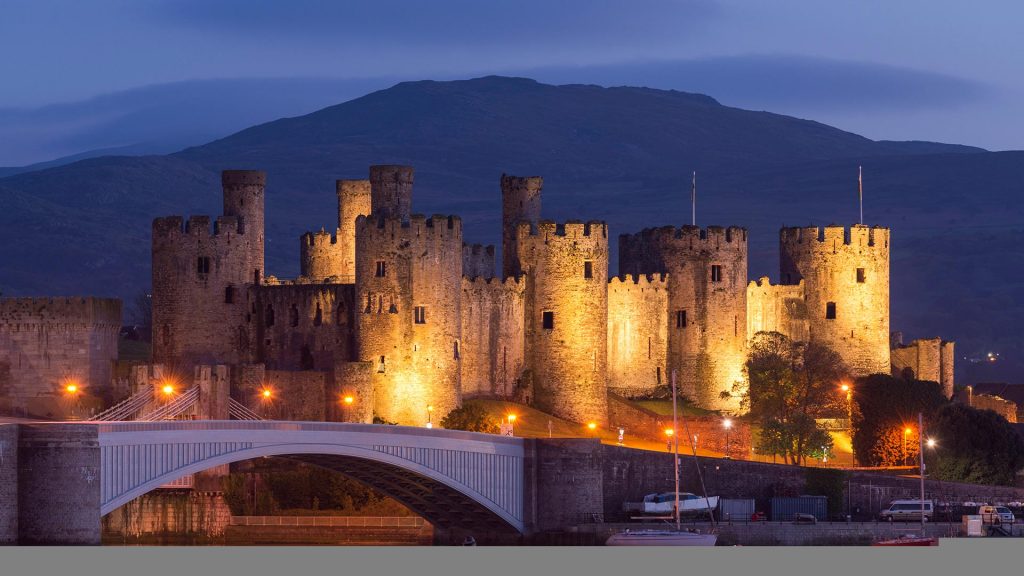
(453, 23)
(785, 83)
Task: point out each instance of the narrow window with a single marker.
(830, 311)
(456, 349)
(680, 318)
(588, 269)
(382, 269)
(268, 316)
(203, 265)
(860, 276)
(294, 316)
(229, 295)
(421, 314)
(716, 273)
(659, 375)
(380, 366)
(319, 318)
(648, 347)
(549, 320)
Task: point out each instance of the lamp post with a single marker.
(346, 407)
(430, 412)
(727, 423)
(849, 419)
(73, 392)
(265, 396)
(669, 433)
(906, 432)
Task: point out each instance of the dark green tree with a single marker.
(883, 408)
(974, 446)
(472, 418)
(791, 383)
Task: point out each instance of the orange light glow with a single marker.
(669, 431)
(845, 387)
(727, 423)
(168, 389)
(511, 418)
(430, 408)
(592, 425)
(348, 399)
(907, 430)
(266, 394)
(72, 388)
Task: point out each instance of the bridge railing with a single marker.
(127, 408)
(176, 407)
(359, 521)
(240, 411)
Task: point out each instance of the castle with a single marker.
(397, 310)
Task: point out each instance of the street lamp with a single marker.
(906, 432)
(167, 389)
(511, 418)
(592, 426)
(849, 419)
(669, 433)
(727, 423)
(430, 412)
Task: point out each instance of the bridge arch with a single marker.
(452, 478)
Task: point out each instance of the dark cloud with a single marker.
(784, 83)
(453, 23)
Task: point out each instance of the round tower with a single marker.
(520, 202)
(566, 267)
(707, 304)
(243, 199)
(354, 200)
(846, 285)
(408, 314)
(321, 256)
(391, 191)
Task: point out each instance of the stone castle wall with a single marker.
(638, 324)
(568, 355)
(777, 308)
(49, 343)
(846, 284)
(707, 292)
(520, 202)
(925, 359)
(477, 261)
(492, 336)
(303, 326)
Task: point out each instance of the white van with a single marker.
(907, 510)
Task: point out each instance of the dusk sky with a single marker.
(915, 69)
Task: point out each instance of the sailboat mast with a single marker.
(675, 447)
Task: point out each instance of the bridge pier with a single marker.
(58, 484)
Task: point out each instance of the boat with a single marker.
(661, 538)
(665, 503)
(677, 537)
(909, 540)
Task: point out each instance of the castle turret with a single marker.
(566, 267)
(707, 303)
(243, 199)
(520, 202)
(846, 286)
(354, 200)
(391, 191)
(408, 315)
(321, 256)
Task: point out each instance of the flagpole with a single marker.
(860, 192)
(693, 200)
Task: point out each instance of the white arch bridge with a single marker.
(452, 478)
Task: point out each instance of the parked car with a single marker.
(906, 510)
(996, 515)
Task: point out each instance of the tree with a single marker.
(975, 446)
(884, 408)
(472, 418)
(789, 384)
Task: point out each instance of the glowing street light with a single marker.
(931, 442)
(727, 424)
(430, 412)
(906, 432)
(592, 426)
(266, 394)
(168, 389)
(71, 388)
(348, 400)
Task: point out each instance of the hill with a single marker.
(622, 154)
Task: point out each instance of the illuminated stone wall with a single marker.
(200, 277)
(492, 336)
(925, 359)
(568, 359)
(48, 343)
(845, 271)
(332, 257)
(777, 308)
(707, 303)
(637, 334)
(401, 267)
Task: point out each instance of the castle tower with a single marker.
(408, 315)
(566, 267)
(354, 200)
(321, 256)
(520, 202)
(846, 283)
(202, 307)
(707, 304)
(391, 191)
(243, 199)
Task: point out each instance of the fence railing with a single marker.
(344, 521)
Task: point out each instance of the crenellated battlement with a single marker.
(61, 310)
(176, 227)
(639, 280)
(694, 237)
(437, 226)
(831, 236)
(477, 260)
(510, 283)
(319, 239)
(571, 229)
(238, 178)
